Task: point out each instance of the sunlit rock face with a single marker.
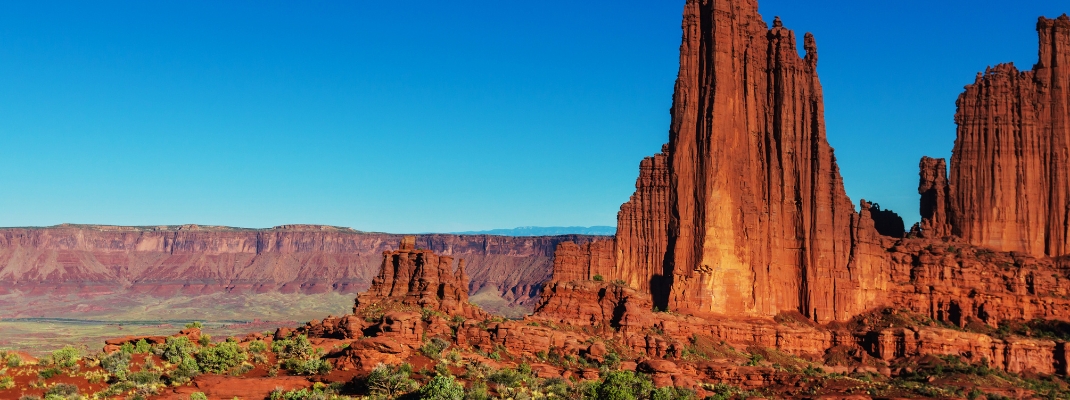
(1010, 169)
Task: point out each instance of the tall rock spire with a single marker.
(759, 219)
(1010, 188)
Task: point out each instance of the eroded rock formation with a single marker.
(1010, 186)
(421, 279)
(935, 196)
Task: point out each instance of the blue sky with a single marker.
(424, 116)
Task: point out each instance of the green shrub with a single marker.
(198, 396)
(672, 393)
(12, 360)
(220, 358)
(391, 382)
(442, 387)
(66, 358)
(194, 324)
(144, 377)
(314, 366)
(257, 346)
(433, 348)
(61, 390)
(722, 391)
(317, 392)
(127, 348)
(142, 347)
(298, 356)
(478, 391)
(48, 373)
(117, 363)
(184, 371)
(298, 347)
(623, 385)
(175, 349)
(7, 382)
(507, 377)
(598, 278)
(205, 340)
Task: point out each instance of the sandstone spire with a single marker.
(934, 191)
(1010, 188)
(760, 222)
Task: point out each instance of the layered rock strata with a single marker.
(193, 260)
(1010, 186)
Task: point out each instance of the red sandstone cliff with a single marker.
(642, 227)
(298, 258)
(1010, 169)
(760, 222)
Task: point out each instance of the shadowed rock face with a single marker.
(1010, 169)
(934, 190)
(192, 260)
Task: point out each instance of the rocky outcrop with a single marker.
(642, 227)
(193, 260)
(1010, 187)
(935, 196)
(597, 304)
(1017, 355)
(420, 279)
(963, 285)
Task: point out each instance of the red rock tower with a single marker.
(760, 222)
(1010, 188)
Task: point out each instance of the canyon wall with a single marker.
(297, 258)
(1010, 189)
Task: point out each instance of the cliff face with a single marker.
(193, 260)
(643, 224)
(580, 262)
(759, 220)
(1010, 189)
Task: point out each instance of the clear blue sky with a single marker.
(415, 116)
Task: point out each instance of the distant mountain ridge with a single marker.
(547, 231)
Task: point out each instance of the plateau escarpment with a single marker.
(195, 260)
